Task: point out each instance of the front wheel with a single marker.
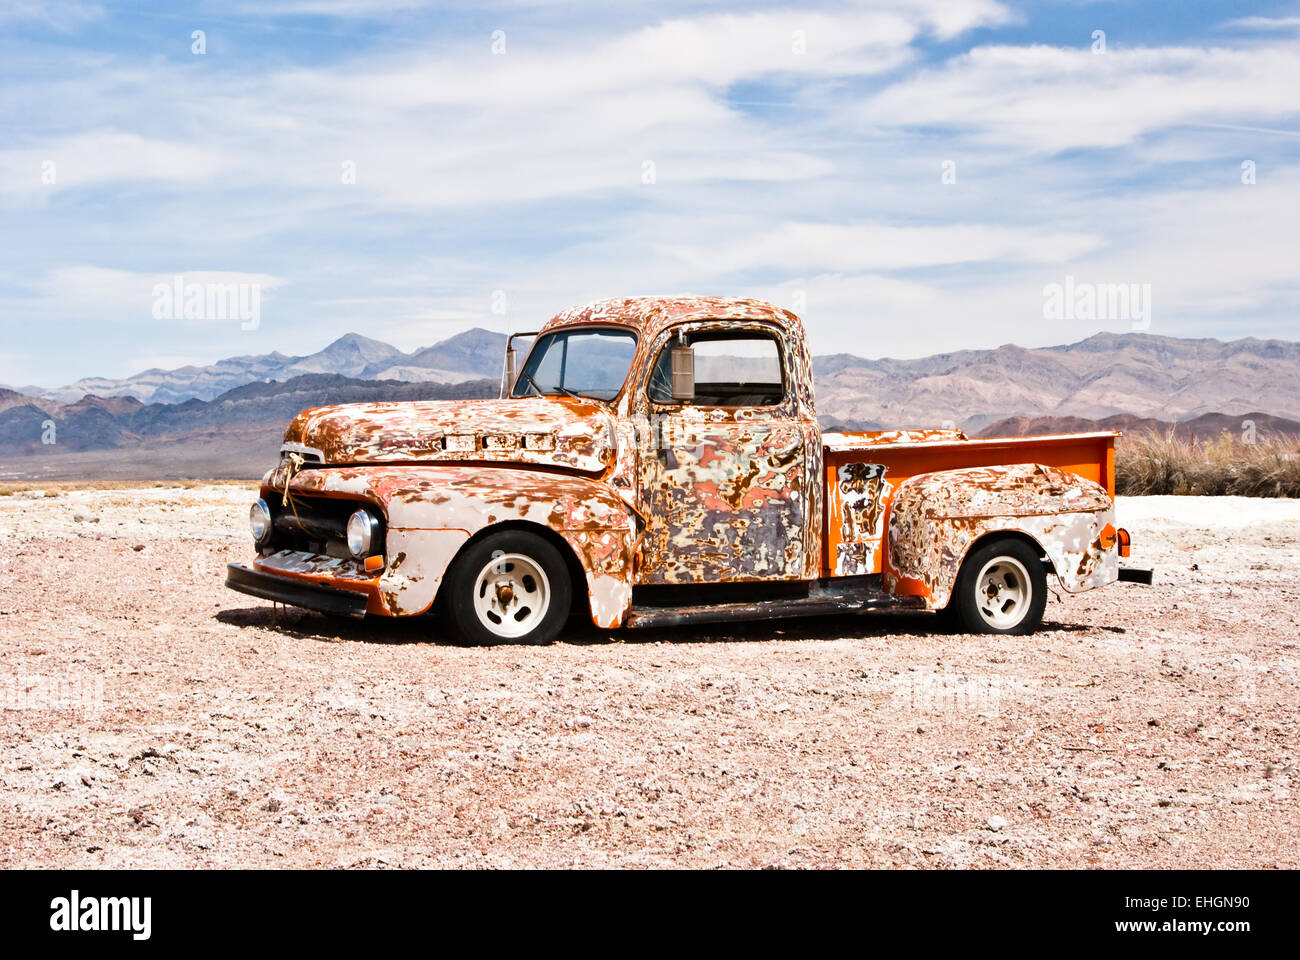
(510, 587)
(1002, 588)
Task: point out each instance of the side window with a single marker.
(741, 369)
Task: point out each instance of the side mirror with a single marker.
(683, 361)
(511, 369)
(510, 372)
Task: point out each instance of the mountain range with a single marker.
(1207, 426)
(235, 435)
(467, 356)
(236, 408)
(1149, 376)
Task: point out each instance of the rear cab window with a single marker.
(732, 369)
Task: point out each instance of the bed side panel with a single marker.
(864, 470)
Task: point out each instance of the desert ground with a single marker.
(153, 718)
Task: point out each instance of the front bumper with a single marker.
(297, 593)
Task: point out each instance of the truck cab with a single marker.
(657, 461)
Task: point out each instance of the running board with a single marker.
(644, 617)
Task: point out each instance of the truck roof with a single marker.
(649, 315)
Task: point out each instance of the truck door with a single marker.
(723, 480)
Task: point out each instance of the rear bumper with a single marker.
(255, 583)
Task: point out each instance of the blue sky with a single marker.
(794, 152)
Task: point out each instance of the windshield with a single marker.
(577, 363)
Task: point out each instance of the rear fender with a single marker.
(935, 518)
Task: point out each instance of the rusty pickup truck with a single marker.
(658, 461)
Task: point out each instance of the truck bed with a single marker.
(863, 470)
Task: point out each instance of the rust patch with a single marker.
(725, 501)
(676, 494)
(432, 509)
(862, 493)
(935, 518)
(560, 432)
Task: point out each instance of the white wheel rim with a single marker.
(1003, 592)
(511, 595)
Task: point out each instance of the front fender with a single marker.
(433, 510)
(936, 517)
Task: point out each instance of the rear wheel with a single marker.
(1002, 588)
(509, 587)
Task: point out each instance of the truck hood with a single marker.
(536, 431)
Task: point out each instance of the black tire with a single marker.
(483, 606)
(1011, 567)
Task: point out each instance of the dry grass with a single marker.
(1150, 463)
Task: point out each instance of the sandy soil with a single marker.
(153, 718)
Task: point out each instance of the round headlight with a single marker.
(259, 521)
(362, 530)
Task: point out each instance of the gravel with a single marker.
(155, 719)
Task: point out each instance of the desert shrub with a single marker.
(1150, 463)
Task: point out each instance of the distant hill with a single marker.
(467, 356)
(479, 350)
(1165, 378)
(1208, 426)
(351, 355)
(1162, 378)
(218, 419)
(124, 426)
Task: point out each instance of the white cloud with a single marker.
(99, 157)
(542, 121)
(1217, 261)
(1051, 99)
(1265, 23)
(550, 118)
(59, 14)
(1217, 257)
(945, 19)
(116, 293)
(329, 8)
(524, 172)
(15, 370)
(699, 52)
(163, 361)
(840, 247)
